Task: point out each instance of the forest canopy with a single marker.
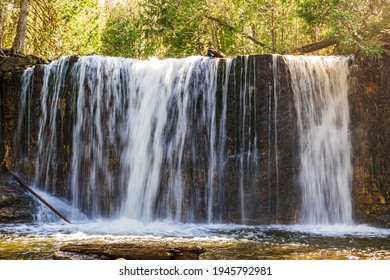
(178, 28)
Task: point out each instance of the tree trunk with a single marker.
(18, 45)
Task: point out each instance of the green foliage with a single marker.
(11, 20)
(63, 27)
(357, 26)
(122, 35)
(158, 28)
(178, 28)
(57, 27)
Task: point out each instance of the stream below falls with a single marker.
(221, 241)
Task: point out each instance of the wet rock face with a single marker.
(11, 70)
(270, 184)
(370, 137)
(16, 206)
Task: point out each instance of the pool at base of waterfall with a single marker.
(220, 241)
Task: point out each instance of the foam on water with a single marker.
(45, 215)
(132, 228)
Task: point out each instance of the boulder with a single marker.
(16, 205)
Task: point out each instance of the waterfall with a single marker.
(45, 157)
(25, 97)
(246, 156)
(320, 87)
(46, 162)
(190, 140)
(134, 125)
(151, 118)
(274, 120)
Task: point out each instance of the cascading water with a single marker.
(247, 154)
(152, 117)
(320, 87)
(146, 141)
(46, 159)
(183, 139)
(274, 120)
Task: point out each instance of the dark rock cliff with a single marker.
(370, 135)
(16, 204)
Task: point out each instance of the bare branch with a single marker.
(231, 28)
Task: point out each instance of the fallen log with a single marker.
(212, 52)
(316, 46)
(135, 251)
(24, 184)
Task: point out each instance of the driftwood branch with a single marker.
(231, 28)
(316, 46)
(24, 184)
